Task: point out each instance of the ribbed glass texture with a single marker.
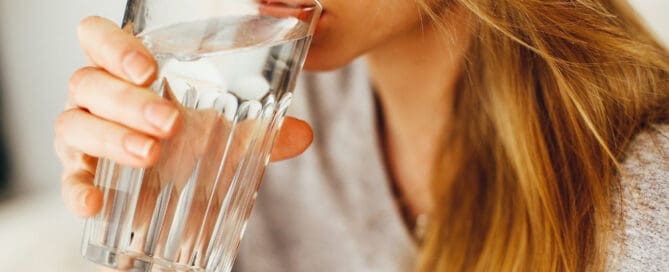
(232, 78)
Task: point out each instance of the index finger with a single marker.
(119, 52)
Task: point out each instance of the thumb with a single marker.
(294, 138)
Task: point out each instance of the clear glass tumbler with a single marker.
(231, 66)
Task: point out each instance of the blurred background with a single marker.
(38, 52)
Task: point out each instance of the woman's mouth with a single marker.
(288, 3)
(300, 9)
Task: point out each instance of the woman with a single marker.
(529, 135)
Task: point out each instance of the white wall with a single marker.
(656, 13)
(38, 52)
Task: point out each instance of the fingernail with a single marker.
(138, 145)
(138, 67)
(161, 115)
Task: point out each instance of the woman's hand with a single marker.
(110, 113)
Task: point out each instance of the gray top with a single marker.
(645, 184)
(332, 208)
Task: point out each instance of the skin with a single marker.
(411, 66)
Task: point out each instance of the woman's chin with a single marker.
(323, 59)
(322, 64)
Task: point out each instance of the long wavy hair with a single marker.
(551, 94)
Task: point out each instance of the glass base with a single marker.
(130, 262)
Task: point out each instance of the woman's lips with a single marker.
(288, 3)
(289, 8)
(281, 11)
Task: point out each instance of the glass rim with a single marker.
(308, 11)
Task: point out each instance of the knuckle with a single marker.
(87, 23)
(61, 124)
(123, 92)
(58, 148)
(77, 81)
(110, 141)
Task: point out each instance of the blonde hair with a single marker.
(552, 92)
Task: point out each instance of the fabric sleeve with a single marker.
(643, 244)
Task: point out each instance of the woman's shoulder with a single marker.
(645, 207)
(650, 146)
(645, 167)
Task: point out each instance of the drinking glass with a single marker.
(230, 66)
